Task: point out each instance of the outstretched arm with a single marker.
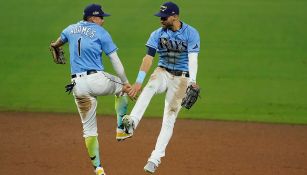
(120, 71)
(145, 66)
(118, 67)
(57, 51)
(57, 43)
(193, 66)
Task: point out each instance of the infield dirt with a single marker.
(52, 144)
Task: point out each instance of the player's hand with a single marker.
(126, 88)
(194, 85)
(136, 88)
(52, 44)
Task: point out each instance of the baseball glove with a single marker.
(57, 54)
(191, 96)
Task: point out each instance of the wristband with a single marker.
(141, 77)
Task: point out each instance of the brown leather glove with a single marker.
(57, 55)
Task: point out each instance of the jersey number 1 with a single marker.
(79, 47)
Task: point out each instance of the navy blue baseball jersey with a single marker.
(87, 42)
(173, 47)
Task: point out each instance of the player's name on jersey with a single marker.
(86, 31)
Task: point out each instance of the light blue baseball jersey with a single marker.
(87, 41)
(173, 47)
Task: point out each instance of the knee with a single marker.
(84, 105)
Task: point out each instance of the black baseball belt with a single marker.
(176, 72)
(89, 72)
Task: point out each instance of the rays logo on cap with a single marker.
(95, 13)
(163, 8)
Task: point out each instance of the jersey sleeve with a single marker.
(108, 45)
(193, 41)
(65, 34)
(153, 40)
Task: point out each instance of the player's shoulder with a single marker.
(79, 23)
(157, 32)
(189, 31)
(99, 29)
(189, 28)
(72, 26)
(89, 24)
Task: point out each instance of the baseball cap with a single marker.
(168, 9)
(94, 10)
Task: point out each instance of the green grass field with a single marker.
(252, 64)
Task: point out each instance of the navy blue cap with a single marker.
(168, 9)
(94, 10)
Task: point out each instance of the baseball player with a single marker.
(177, 44)
(87, 41)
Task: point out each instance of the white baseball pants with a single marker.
(175, 87)
(86, 90)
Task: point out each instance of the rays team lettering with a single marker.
(173, 45)
(86, 31)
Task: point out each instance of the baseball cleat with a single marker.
(100, 171)
(122, 135)
(128, 124)
(150, 167)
